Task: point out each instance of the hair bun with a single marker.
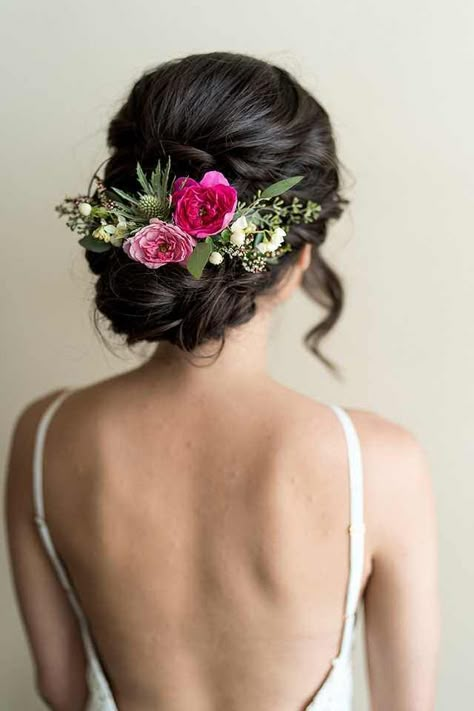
(256, 124)
(169, 304)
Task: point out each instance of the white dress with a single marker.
(335, 693)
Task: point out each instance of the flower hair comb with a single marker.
(188, 222)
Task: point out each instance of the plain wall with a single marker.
(397, 81)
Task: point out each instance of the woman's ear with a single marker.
(304, 257)
(295, 275)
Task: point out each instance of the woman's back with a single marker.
(206, 536)
(203, 512)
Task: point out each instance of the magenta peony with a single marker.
(204, 208)
(159, 243)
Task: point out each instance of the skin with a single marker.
(202, 515)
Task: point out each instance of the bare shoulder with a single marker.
(79, 398)
(386, 437)
(21, 447)
(26, 422)
(398, 486)
(63, 432)
(30, 413)
(25, 425)
(390, 450)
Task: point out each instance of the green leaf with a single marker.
(224, 236)
(166, 177)
(254, 217)
(199, 257)
(155, 179)
(129, 216)
(281, 186)
(160, 179)
(94, 245)
(125, 196)
(100, 211)
(142, 179)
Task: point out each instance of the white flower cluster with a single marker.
(276, 240)
(240, 229)
(114, 234)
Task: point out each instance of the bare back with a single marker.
(207, 538)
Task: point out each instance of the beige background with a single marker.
(397, 79)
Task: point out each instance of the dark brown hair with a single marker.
(255, 123)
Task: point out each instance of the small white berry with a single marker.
(215, 258)
(85, 209)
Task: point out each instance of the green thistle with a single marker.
(152, 206)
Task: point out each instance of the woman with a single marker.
(192, 534)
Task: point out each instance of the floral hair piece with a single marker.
(188, 222)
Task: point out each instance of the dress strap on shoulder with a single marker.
(95, 674)
(38, 498)
(38, 505)
(41, 432)
(356, 526)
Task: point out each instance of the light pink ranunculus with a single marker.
(203, 208)
(159, 243)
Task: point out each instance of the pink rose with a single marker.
(203, 208)
(158, 243)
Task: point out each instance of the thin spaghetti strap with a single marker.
(38, 500)
(38, 504)
(356, 527)
(38, 452)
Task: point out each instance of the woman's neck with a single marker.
(243, 358)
